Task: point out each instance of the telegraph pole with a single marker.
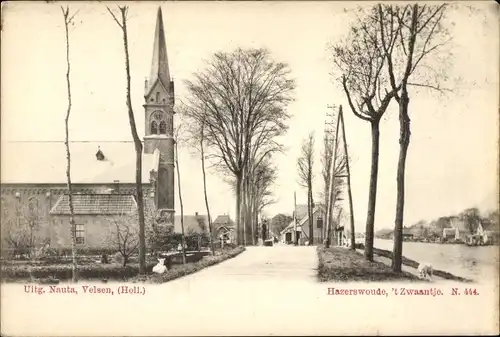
(328, 139)
(329, 208)
(351, 207)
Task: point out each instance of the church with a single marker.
(34, 183)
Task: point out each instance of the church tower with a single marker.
(159, 116)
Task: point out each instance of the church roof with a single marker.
(45, 163)
(159, 63)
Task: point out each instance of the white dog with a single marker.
(425, 270)
(160, 267)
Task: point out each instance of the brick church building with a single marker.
(33, 183)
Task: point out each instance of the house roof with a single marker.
(45, 162)
(223, 220)
(490, 226)
(225, 228)
(407, 231)
(306, 216)
(301, 211)
(96, 204)
(462, 225)
(302, 220)
(191, 223)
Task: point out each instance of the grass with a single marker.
(178, 271)
(345, 265)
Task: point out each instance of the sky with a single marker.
(452, 158)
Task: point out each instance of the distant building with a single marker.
(318, 223)
(488, 232)
(408, 234)
(460, 229)
(224, 229)
(196, 223)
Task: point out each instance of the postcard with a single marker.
(261, 168)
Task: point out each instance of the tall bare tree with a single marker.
(196, 140)
(339, 170)
(409, 36)
(122, 23)
(202, 156)
(305, 167)
(360, 61)
(259, 192)
(240, 95)
(183, 239)
(69, 20)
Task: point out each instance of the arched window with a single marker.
(154, 128)
(157, 97)
(163, 128)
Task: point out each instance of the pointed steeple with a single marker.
(159, 64)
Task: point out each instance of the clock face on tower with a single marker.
(158, 115)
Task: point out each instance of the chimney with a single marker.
(117, 186)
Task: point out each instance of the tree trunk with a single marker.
(310, 213)
(251, 217)
(244, 210)
(256, 220)
(239, 236)
(404, 142)
(372, 197)
(348, 171)
(211, 238)
(138, 151)
(183, 242)
(68, 156)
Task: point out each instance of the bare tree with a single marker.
(124, 235)
(68, 20)
(339, 170)
(471, 218)
(183, 238)
(305, 164)
(196, 140)
(409, 35)
(240, 95)
(259, 193)
(202, 156)
(122, 23)
(360, 61)
(21, 227)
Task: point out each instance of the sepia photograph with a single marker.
(229, 168)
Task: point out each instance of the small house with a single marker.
(488, 231)
(192, 224)
(408, 234)
(224, 229)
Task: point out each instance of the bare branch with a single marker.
(114, 17)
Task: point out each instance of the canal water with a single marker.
(477, 263)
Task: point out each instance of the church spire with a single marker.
(159, 64)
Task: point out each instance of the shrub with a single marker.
(118, 258)
(63, 271)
